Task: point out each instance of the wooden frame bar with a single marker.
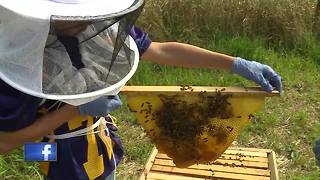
(273, 165)
(171, 90)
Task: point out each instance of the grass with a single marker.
(13, 166)
(280, 37)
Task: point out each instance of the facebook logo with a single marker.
(40, 152)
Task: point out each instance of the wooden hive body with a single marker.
(234, 164)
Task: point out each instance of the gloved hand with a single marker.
(101, 106)
(316, 150)
(262, 74)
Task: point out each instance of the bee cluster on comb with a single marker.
(184, 123)
(192, 126)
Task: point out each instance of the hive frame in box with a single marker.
(166, 172)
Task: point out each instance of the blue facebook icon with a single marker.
(40, 152)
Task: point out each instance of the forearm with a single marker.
(48, 123)
(179, 54)
(42, 127)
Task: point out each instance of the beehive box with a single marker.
(235, 163)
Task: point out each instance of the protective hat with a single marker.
(69, 50)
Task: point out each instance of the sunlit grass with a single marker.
(280, 21)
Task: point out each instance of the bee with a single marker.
(205, 140)
(230, 128)
(183, 88)
(211, 170)
(251, 116)
(133, 111)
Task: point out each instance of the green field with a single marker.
(283, 37)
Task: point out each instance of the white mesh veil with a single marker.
(40, 57)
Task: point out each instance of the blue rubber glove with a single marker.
(101, 106)
(316, 150)
(262, 74)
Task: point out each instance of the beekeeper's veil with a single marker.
(69, 50)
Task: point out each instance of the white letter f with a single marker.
(46, 151)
